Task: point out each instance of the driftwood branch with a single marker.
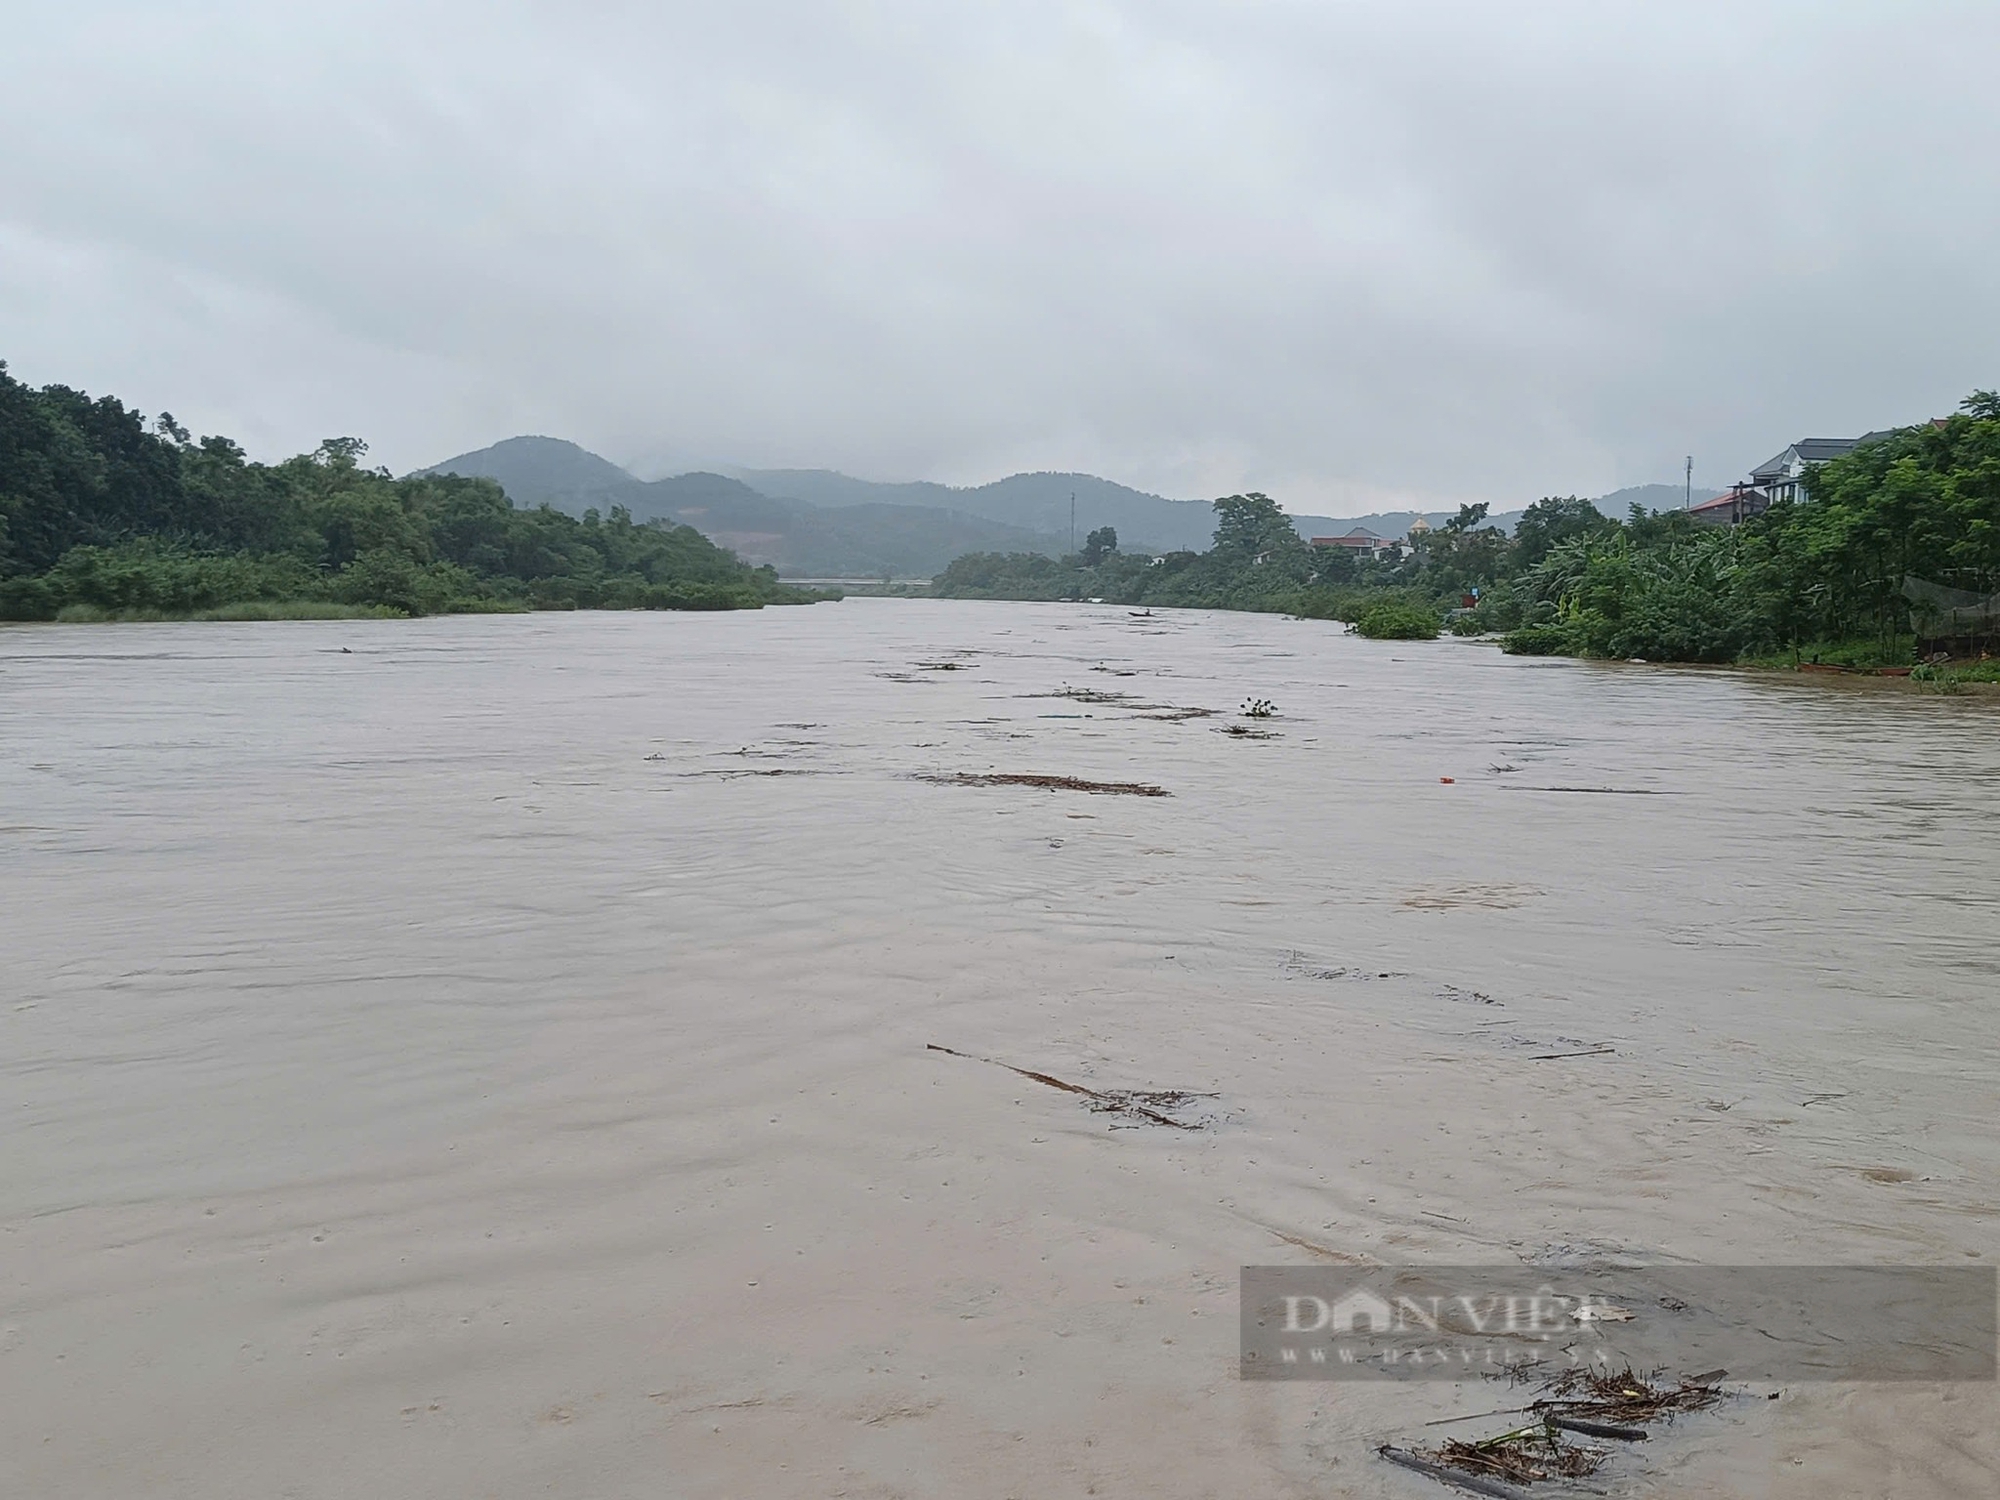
(1473, 1483)
(1117, 1101)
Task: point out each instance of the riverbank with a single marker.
(320, 609)
(1855, 662)
(255, 609)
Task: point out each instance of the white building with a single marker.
(1780, 477)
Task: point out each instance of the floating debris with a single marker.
(1495, 897)
(1466, 997)
(1595, 791)
(1614, 1407)
(730, 775)
(1150, 1105)
(1049, 783)
(1599, 1429)
(1626, 1398)
(1166, 713)
(1103, 696)
(1471, 1483)
(1297, 963)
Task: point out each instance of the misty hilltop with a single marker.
(541, 471)
(1033, 502)
(862, 537)
(818, 523)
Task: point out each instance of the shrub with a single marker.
(1349, 602)
(1398, 622)
(28, 599)
(146, 576)
(1502, 609)
(1536, 640)
(385, 576)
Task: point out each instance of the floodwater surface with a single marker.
(498, 1056)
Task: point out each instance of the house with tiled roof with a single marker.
(1743, 501)
(1360, 541)
(1780, 478)
(1776, 479)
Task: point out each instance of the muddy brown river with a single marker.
(493, 1057)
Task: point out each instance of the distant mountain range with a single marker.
(1032, 502)
(815, 523)
(860, 538)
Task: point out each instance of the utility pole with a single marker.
(1687, 501)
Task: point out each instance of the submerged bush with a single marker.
(1398, 622)
(1536, 640)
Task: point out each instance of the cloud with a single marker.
(1342, 252)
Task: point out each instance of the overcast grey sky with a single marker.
(1349, 253)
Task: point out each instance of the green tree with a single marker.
(1552, 520)
(1468, 517)
(1100, 544)
(1252, 524)
(101, 510)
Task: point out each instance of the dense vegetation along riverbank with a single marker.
(102, 517)
(1828, 578)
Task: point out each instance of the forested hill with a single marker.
(820, 523)
(797, 536)
(1032, 502)
(1145, 522)
(105, 514)
(547, 471)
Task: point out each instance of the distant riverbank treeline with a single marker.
(102, 516)
(1851, 572)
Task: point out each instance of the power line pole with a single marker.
(1687, 502)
